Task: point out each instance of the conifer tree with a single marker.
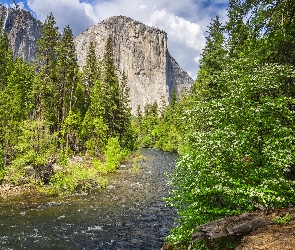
(46, 68)
(6, 58)
(274, 26)
(111, 91)
(211, 64)
(91, 72)
(6, 68)
(238, 31)
(125, 132)
(66, 79)
(94, 133)
(94, 128)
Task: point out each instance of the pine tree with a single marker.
(211, 64)
(46, 68)
(15, 105)
(94, 128)
(6, 69)
(173, 99)
(126, 134)
(111, 91)
(274, 26)
(66, 78)
(91, 72)
(94, 133)
(6, 58)
(238, 31)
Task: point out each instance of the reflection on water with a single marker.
(130, 214)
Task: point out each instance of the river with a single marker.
(129, 214)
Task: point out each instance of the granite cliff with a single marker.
(140, 50)
(23, 31)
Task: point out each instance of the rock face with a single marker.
(23, 31)
(141, 51)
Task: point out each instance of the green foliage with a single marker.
(34, 148)
(110, 91)
(51, 113)
(2, 162)
(76, 178)
(283, 220)
(165, 130)
(66, 80)
(15, 104)
(91, 73)
(239, 154)
(113, 154)
(44, 84)
(223, 243)
(238, 159)
(6, 58)
(211, 64)
(94, 133)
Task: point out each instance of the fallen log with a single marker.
(231, 226)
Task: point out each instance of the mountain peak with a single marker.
(141, 51)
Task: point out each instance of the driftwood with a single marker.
(231, 226)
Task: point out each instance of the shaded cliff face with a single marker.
(141, 51)
(23, 31)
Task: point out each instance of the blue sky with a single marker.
(185, 21)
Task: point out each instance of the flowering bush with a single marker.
(242, 148)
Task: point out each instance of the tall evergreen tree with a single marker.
(66, 79)
(46, 68)
(213, 59)
(91, 72)
(238, 31)
(125, 132)
(94, 128)
(6, 69)
(6, 58)
(111, 91)
(15, 104)
(274, 25)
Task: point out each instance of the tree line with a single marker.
(53, 110)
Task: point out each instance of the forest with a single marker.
(62, 127)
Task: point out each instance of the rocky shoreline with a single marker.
(9, 191)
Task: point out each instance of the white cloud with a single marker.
(141, 7)
(179, 29)
(184, 21)
(66, 12)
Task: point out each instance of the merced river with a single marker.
(129, 214)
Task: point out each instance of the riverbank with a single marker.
(79, 175)
(8, 191)
(128, 214)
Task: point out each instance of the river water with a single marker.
(129, 214)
